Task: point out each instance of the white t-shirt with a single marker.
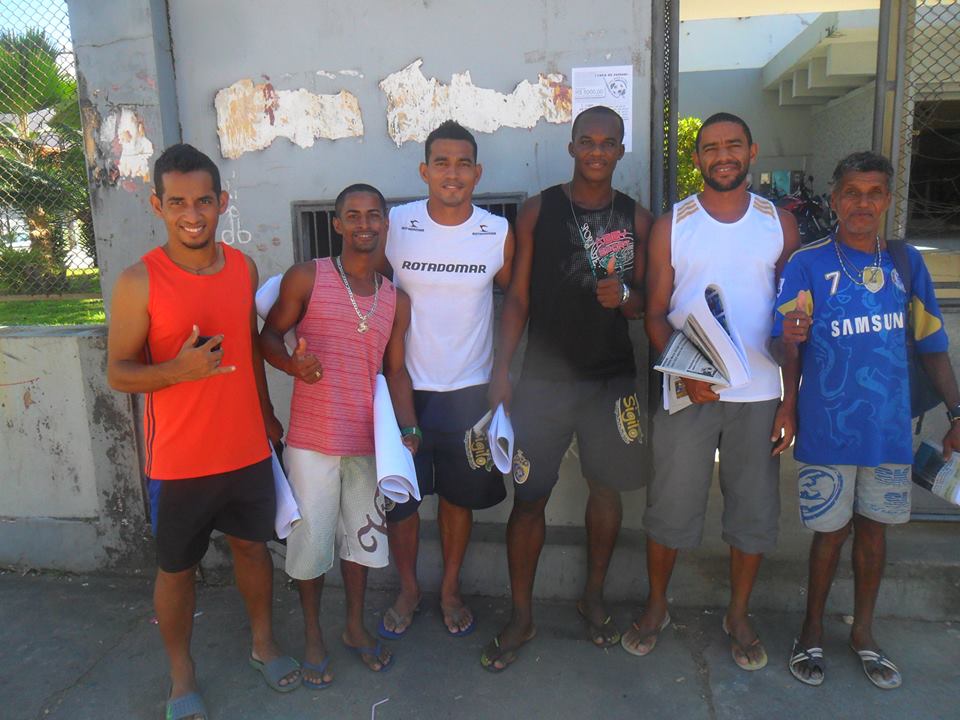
(740, 258)
(448, 271)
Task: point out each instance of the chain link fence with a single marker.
(46, 226)
(927, 187)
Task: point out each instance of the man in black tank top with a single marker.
(577, 276)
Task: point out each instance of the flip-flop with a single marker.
(596, 631)
(186, 706)
(650, 639)
(745, 663)
(507, 657)
(871, 660)
(372, 651)
(277, 669)
(319, 670)
(456, 615)
(814, 659)
(398, 619)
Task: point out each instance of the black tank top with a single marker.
(571, 336)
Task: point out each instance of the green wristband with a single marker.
(412, 430)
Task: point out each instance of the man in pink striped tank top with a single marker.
(349, 322)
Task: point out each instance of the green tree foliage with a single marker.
(689, 180)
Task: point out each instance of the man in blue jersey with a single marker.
(843, 306)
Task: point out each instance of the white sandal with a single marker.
(873, 661)
(813, 656)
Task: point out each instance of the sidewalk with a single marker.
(84, 647)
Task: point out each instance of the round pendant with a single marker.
(362, 327)
(873, 278)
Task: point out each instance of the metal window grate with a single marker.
(314, 236)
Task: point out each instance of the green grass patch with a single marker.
(86, 311)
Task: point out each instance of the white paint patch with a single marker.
(351, 73)
(416, 105)
(251, 116)
(123, 132)
(328, 75)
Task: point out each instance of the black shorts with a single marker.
(442, 462)
(183, 513)
(604, 414)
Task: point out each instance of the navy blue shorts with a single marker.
(604, 415)
(442, 462)
(183, 513)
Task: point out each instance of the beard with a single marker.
(727, 185)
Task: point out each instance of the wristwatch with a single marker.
(624, 294)
(412, 430)
(953, 413)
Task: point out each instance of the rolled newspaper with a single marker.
(396, 474)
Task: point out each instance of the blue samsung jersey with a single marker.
(854, 404)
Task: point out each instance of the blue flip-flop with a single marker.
(387, 634)
(375, 652)
(277, 669)
(186, 706)
(319, 670)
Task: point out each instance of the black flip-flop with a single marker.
(814, 659)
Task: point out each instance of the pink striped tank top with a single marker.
(335, 415)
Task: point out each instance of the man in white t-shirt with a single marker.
(727, 237)
(446, 254)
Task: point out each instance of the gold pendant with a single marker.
(873, 279)
(362, 327)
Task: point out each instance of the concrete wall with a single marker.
(329, 47)
(840, 127)
(70, 489)
(783, 133)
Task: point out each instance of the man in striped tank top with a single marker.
(728, 237)
(349, 322)
(207, 414)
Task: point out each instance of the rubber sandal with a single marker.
(507, 657)
(650, 640)
(814, 659)
(398, 619)
(319, 670)
(456, 615)
(186, 706)
(596, 631)
(277, 669)
(372, 651)
(745, 663)
(875, 661)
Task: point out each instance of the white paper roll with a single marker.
(396, 474)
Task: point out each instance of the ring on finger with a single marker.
(798, 322)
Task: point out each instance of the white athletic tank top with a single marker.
(740, 258)
(447, 270)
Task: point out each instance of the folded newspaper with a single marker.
(933, 473)
(704, 346)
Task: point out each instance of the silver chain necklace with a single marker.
(583, 239)
(363, 326)
(872, 275)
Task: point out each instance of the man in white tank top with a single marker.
(446, 254)
(738, 241)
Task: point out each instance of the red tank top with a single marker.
(335, 415)
(208, 426)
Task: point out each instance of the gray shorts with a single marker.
(684, 446)
(831, 494)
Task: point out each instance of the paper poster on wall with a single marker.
(611, 86)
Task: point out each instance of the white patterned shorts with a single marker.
(831, 494)
(341, 506)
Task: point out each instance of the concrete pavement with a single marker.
(84, 647)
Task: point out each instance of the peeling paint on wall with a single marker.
(123, 131)
(251, 116)
(416, 105)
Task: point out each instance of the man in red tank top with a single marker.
(207, 414)
(349, 321)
